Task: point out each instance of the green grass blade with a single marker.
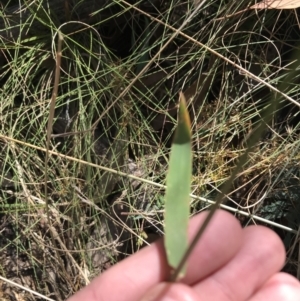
(177, 208)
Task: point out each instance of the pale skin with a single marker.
(228, 264)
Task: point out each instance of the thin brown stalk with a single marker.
(51, 116)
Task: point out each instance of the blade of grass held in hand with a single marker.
(177, 199)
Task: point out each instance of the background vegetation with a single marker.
(123, 65)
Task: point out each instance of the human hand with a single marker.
(229, 263)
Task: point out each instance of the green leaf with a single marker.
(177, 198)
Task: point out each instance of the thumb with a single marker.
(170, 292)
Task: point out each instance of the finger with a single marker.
(134, 276)
(261, 255)
(279, 287)
(171, 291)
(220, 243)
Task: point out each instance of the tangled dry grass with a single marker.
(122, 67)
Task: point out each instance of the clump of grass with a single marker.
(106, 115)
